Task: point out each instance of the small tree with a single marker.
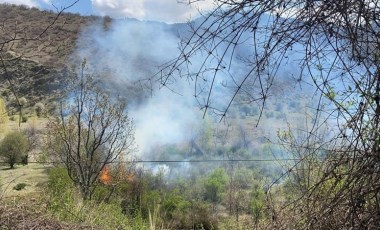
(40, 108)
(91, 131)
(13, 148)
(215, 185)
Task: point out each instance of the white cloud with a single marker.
(159, 10)
(119, 8)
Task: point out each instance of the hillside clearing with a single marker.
(33, 175)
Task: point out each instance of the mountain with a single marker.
(39, 50)
(34, 47)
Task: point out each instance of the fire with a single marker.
(130, 177)
(105, 176)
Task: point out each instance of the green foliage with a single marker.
(25, 159)
(60, 187)
(65, 203)
(101, 192)
(24, 119)
(215, 185)
(20, 186)
(201, 216)
(173, 203)
(5, 93)
(39, 108)
(13, 147)
(149, 201)
(257, 202)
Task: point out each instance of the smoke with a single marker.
(128, 53)
(166, 118)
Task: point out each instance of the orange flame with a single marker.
(105, 176)
(130, 177)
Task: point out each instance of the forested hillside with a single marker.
(226, 122)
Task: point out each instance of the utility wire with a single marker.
(178, 161)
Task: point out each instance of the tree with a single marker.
(257, 202)
(13, 148)
(39, 108)
(215, 184)
(334, 45)
(91, 131)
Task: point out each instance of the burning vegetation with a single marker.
(105, 176)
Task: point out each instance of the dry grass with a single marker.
(33, 175)
(50, 47)
(29, 214)
(25, 209)
(35, 48)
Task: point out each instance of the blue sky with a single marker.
(158, 10)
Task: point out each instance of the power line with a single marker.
(211, 160)
(178, 161)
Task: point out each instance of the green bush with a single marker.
(40, 108)
(5, 93)
(198, 216)
(24, 119)
(58, 180)
(19, 186)
(101, 192)
(13, 147)
(24, 159)
(215, 184)
(66, 204)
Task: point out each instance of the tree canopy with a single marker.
(13, 147)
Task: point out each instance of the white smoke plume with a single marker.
(129, 52)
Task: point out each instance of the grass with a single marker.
(33, 175)
(29, 213)
(63, 208)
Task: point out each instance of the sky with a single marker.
(169, 11)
